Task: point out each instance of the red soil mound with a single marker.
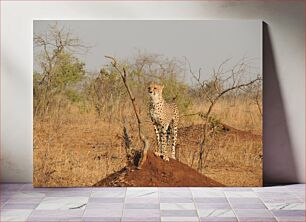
(157, 172)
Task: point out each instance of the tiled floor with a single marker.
(22, 202)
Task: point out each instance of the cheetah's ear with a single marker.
(162, 87)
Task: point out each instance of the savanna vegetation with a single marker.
(79, 116)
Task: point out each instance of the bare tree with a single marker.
(57, 45)
(222, 82)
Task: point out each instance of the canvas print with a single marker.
(147, 103)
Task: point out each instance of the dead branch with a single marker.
(228, 90)
(257, 98)
(142, 137)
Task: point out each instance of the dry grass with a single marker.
(240, 114)
(76, 152)
(74, 149)
(234, 157)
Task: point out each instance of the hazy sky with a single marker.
(206, 43)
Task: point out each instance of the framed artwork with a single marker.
(147, 103)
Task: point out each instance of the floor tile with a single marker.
(142, 200)
(216, 213)
(245, 200)
(19, 206)
(15, 214)
(250, 203)
(109, 193)
(177, 206)
(279, 189)
(3, 200)
(178, 219)
(285, 206)
(289, 213)
(178, 213)
(29, 187)
(141, 206)
(210, 200)
(296, 186)
(176, 189)
(300, 195)
(213, 205)
(149, 192)
(207, 192)
(140, 219)
(281, 200)
(4, 193)
(238, 189)
(218, 219)
(275, 197)
(291, 219)
(101, 219)
(142, 213)
(175, 192)
(98, 205)
(176, 200)
(103, 213)
(109, 189)
(56, 213)
(253, 213)
(2, 204)
(256, 219)
(55, 219)
(24, 200)
(10, 187)
(240, 194)
(68, 193)
(248, 206)
(62, 203)
(105, 200)
(28, 194)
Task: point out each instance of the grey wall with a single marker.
(284, 80)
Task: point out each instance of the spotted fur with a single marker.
(165, 119)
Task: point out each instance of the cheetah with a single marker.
(165, 117)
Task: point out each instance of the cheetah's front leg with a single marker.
(163, 146)
(157, 135)
(158, 152)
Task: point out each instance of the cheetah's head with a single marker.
(155, 91)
